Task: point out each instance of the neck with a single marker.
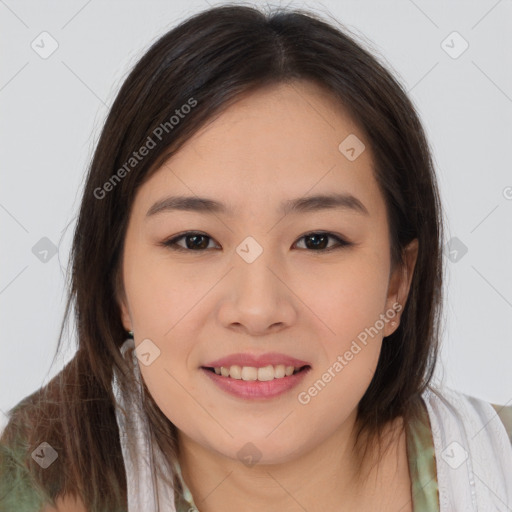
(315, 479)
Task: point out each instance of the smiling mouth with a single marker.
(262, 374)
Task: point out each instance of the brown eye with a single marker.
(199, 242)
(193, 242)
(319, 241)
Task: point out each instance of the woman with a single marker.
(261, 218)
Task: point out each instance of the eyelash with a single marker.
(172, 242)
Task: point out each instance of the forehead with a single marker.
(276, 143)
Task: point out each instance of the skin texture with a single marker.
(275, 144)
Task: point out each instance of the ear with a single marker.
(125, 315)
(120, 294)
(399, 285)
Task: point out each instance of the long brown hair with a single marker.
(213, 57)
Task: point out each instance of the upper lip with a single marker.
(256, 361)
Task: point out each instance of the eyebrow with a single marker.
(307, 204)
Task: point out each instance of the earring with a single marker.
(393, 323)
(130, 333)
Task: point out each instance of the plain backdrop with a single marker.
(454, 59)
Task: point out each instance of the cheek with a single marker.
(166, 385)
(348, 297)
(158, 293)
(158, 302)
(349, 303)
(351, 348)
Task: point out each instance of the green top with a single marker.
(19, 493)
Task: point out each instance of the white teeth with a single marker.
(279, 371)
(265, 373)
(248, 373)
(235, 372)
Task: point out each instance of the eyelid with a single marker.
(171, 243)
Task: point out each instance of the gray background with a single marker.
(53, 109)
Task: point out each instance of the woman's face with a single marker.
(262, 283)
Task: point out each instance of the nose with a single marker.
(258, 297)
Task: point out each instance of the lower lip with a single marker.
(255, 389)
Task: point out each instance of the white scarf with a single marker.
(478, 482)
(473, 453)
(141, 453)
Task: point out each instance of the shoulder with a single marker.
(19, 490)
(23, 460)
(66, 503)
(34, 453)
(43, 467)
(444, 402)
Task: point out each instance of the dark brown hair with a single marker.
(214, 57)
